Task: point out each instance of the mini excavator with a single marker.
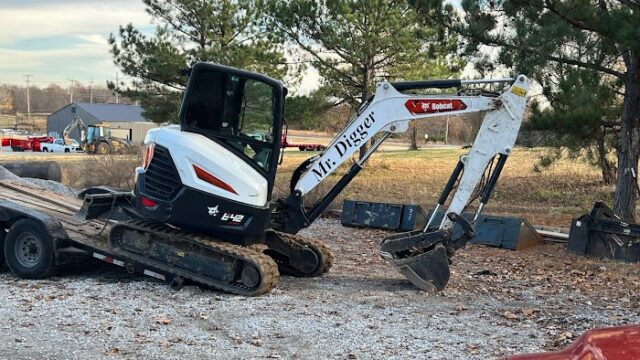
(202, 205)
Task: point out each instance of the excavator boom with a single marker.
(423, 256)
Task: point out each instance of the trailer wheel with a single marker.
(67, 150)
(29, 250)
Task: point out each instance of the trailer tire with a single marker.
(29, 251)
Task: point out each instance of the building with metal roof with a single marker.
(126, 121)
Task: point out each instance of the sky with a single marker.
(58, 40)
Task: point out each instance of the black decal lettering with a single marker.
(364, 135)
(341, 148)
(354, 138)
(324, 171)
(317, 173)
(367, 122)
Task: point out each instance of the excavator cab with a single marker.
(216, 171)
(240, 110)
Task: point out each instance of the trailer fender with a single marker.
(11, 212)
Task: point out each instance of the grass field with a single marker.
(552, 197)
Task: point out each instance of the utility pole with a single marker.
(117, 94)
(28, 77)
(91, 91)
(71, 91)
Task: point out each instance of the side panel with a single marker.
(189, 149)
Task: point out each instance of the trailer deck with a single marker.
(84, 237)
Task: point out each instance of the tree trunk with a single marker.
(629, 145)
(414, 135)
(608, 173)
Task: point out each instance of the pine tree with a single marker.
(598, 36)
(354, 43)
(227, 32)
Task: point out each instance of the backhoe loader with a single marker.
(96, 138)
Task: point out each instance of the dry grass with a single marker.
(110, 170)
(552, 197)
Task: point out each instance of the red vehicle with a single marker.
(37, 140)
(302, 147)
(613, 343)
(17, 144)
(30, 143)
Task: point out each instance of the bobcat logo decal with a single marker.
(213, 211)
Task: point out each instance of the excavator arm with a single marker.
(422, 256)
(75, 123)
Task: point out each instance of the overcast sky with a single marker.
(63, 39)
(58, 40)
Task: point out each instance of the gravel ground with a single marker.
(37, 183)
(498, 302)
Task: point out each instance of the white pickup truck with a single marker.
(58, 146)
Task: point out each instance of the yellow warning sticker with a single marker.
(518, 91)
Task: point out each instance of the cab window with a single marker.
(236, 110)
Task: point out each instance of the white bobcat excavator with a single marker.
(202, 202)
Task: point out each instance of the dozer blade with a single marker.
(420, 257)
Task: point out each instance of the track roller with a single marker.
(298, 256)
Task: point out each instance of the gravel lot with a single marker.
(535, 300)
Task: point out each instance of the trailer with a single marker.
(284, 142)
(41, 232)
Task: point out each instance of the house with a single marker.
(126, 121)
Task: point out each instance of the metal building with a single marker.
(126, 121)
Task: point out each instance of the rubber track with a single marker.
(326, 256)
(267, 268)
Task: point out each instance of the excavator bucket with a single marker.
(421, 257)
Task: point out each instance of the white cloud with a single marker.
(60, 40)
(67, 18)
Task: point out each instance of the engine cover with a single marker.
(229, 201)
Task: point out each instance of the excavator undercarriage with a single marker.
(239, 269)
